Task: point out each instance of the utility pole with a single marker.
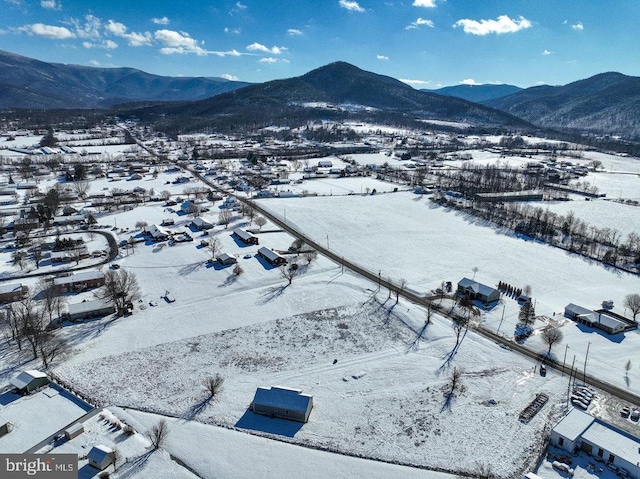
(584, 373)
(570, 375)
(501, 319)
(565, 358)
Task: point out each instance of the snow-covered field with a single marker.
(402, 235)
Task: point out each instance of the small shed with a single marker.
(4, 426)
(100, 457)
(30, 380)
(226, 259)
(73, 431)
(284, 403)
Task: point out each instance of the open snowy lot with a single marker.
(402, 235)
(385, 397)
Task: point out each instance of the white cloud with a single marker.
(240, 6)
(272, 60)
(470, 81)
(546, 52)
(50, 5)
(578, 26)
(227, 76)
(352, 6)
(294, 31)
(420, 22)
(503, 24)
(48, 31)
(424, 3)
(178, 42)
(257, 47)
(89, 29)
(160, 21)
(414, 82)
(95, 63)
(230, 53)
(115, 28)
(107, 45)
(134, 39)
(232, 30)
(382, 57)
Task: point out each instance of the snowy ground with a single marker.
(407, 236)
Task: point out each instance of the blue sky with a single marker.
(427, 43)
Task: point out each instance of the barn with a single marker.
(100, 457)
(30, 380)
(271, 256)
(226, 259)
(284, 403)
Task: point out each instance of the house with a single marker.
(325, 164)
(12, 292)
(79, 281)
(167, 222)
(226, 259)
(67, 220)
(245, 236)
(601, 319)
(579, 431)
(100, 457)
(157, 233)
(4, 426)
(70, 255)
(478, 291)
(271, 256)
(26, 224)
(284, 403)
(201, 224)
(90, 309)
(30, 380)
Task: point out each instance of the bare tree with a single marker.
(289, 272)
(297, 245)
(29, 322)
(140, 225)
(627, 367)
(455, 381)
(213, 385)
(81, 188)
(401, 286)
(250, 212)
(51, 346)
(50, 297)
(214, 247)
(224, 217)
(165, 194)
(36, 254)
(632, 301)
(121, 287)
(527, 290)
(17, 259)
(158, 434)
(552, 336)
(310, 255)
(475, 269)
(238, 270)
(260, 221)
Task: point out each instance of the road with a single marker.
(406, 294)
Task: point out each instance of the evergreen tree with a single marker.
(527, 313)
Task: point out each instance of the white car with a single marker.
(561, 466)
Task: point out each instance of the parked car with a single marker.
(625, 411)
(115, 266)
(635, 415)
(561, 466)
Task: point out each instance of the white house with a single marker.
(30, 380)
(578, 431)
(201, 224)
(100, 457)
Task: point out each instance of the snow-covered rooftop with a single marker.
(574, 424)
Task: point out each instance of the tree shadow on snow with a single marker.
(197, 409)
(232, 278)
(190, 268)
(272, 293)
